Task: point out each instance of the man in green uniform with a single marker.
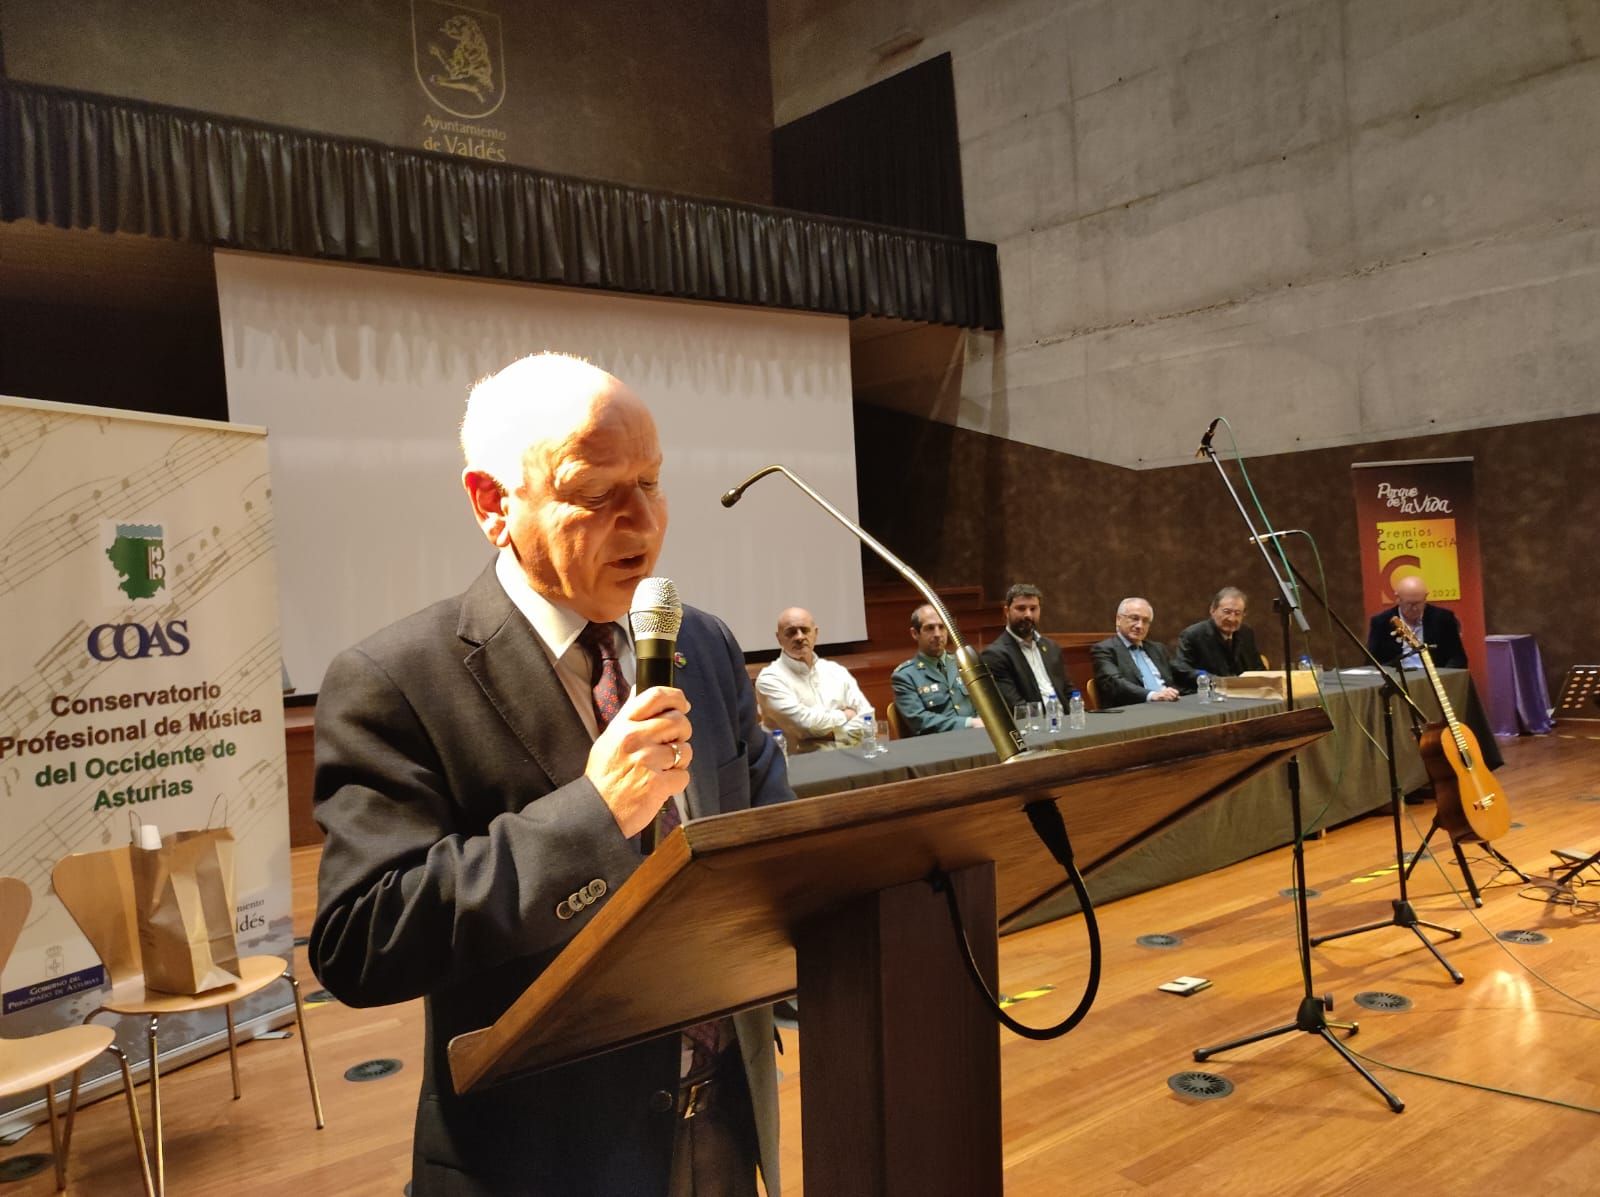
(927, 691)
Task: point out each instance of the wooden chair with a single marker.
(82, 882)
(897, 722)
(44, 1059)
(1091, 696)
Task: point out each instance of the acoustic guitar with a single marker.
(1472, 806)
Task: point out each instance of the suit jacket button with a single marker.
(661, 1101)
(564, 910)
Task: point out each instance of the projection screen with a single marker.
(360, 374)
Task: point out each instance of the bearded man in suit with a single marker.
(1128, 667)
(483, 777)
(1025, 663)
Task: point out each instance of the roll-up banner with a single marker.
(140, 684)
(1421, 517)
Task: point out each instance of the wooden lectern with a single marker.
(829, 895)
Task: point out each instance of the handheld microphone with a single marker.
(1003, 734)
(1205, 441)
(654, 618)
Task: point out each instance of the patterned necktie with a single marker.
(704, 1042)
(605, 671)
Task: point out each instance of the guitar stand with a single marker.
(1461, 860)
(1571, 874)
(1405, 914)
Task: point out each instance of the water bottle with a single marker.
(1052, 710)
(869, 736)
(1202, 685)
(1076, 719)
(783, 745)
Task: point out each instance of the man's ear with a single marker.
(488, 499)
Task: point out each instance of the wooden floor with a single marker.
(1092, 1113)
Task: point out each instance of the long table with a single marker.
(1342, 776)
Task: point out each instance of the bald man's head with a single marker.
(1411, 595)
(563, 469)
(797, 635)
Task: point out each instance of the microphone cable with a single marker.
(1052, 831)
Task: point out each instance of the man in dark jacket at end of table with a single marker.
(1221, 645)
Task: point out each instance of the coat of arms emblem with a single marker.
(459, 57)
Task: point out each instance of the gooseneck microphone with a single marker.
(654, 618)
(997, 722)
(1205, 441)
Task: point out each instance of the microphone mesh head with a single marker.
(656, 612)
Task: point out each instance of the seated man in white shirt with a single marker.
(815, 703)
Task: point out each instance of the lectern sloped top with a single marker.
(706, 926)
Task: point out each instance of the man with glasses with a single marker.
(1221, 646)
(1129, 668)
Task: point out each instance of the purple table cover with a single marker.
(1518, 699)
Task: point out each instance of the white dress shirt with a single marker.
(807, 702)
(558, 630)
(1035, 660)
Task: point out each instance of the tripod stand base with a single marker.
(1405, 916)
(1312, 1019)
(1461, 862)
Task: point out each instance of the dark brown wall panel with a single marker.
(968, 508)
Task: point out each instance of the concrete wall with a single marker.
(1333, 221)
(673, 96)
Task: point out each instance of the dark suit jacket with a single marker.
(1441, 632)
(1200, 647)
(1014, 676)
(449, 780)
(1116, 677)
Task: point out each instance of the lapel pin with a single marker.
(679, 660)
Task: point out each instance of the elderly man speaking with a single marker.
(483, 774)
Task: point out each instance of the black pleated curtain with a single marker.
(890, 154)
(83, 161)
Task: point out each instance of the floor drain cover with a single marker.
(1292, 892)
(371, 1070)
(1204, 1085)
(1159, 941)
(20, 1167)
(1523, 937)
(1383, 1001)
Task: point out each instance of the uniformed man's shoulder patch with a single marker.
(906, 664)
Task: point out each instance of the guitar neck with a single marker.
(1444, 699)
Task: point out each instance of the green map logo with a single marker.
(139, 559)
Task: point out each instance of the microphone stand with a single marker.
(1311, 1017)
(1405, 914)
(1003, 733)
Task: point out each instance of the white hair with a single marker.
(1122, 607)
(518, 406)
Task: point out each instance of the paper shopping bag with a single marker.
(183, 896)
